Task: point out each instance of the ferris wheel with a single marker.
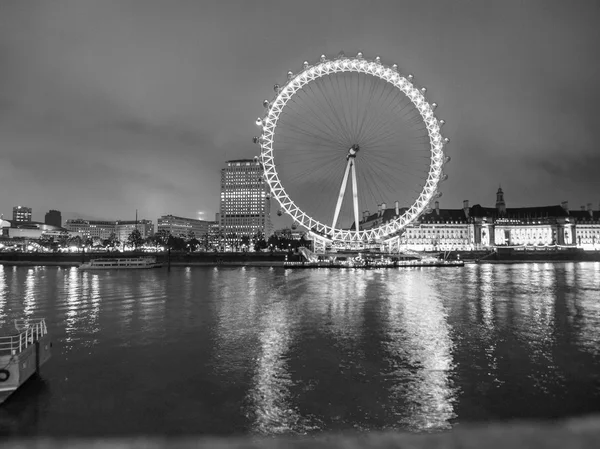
(343, 139)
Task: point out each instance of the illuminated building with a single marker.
(485, 228)
(441, 230)
(123, 229)
(94, 229)
(183, 227)
(21, 214)
(53, 217)
(245, 206)
(31, 230)
(587, 228)
(524, 226)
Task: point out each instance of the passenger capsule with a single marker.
(439, 194)
(448, 159)
(446, 140)
(433, 105)
(323, 58)
(255, 139)
(279, 213)
(378, 59)
(266, 103)
(341, 54)
(276, 88)
(259, 121)
(359, 55)
(290, 75)
(442, 122)
(423, 90)
(395, 67)
(305, 65)
(444, 177)
(410, 77)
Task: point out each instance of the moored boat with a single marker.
(24, 348)
(121, 263)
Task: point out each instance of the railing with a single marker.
(27, 333)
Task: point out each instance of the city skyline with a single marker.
(105, 111)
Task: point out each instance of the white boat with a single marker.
(131, 263)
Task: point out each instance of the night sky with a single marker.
(111, 106)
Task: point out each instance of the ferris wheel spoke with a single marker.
(334, 111)
(384, 111)
(298, 143)
(372, 133)
(332, 115)
(313, 112)
(364, 111)
(311, 135)
(316, 131)
(392, 137)
(391, 171)
(337, 99)
(376, 95)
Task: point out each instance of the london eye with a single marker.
(345, 138)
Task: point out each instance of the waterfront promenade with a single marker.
(278, 259)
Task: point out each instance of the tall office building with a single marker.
(245, 207)
(53, 217)
(21, 214)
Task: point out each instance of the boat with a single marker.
(124, 263)
(24, 348)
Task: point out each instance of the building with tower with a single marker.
(483, 228)
(21, 214)
(245, 207)
(53, 217)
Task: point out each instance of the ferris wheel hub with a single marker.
(352, 151)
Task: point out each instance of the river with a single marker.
(269, 351)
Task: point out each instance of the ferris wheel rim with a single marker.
(386, 73)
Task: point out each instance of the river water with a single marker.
(267, 351)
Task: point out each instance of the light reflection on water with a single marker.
(420, 349)
(273, 351)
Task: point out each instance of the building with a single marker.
(441, 230)
(484, 228)
(21, 214)
(587, 227)
(31, 230)
(245, 207)
(53, 217)
(124, 228)
(94, 229)
(184, 227)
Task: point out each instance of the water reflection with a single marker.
(270, 393)
(29, 299)
(72, 287)
(294, 351)
(420, 355)
(3, 293)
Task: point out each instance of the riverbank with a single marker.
(278, 259)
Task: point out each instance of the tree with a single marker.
(75, 241)
(245, 240)
(111, 241)
(135, 239)
(162, 237)
(193, 244)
